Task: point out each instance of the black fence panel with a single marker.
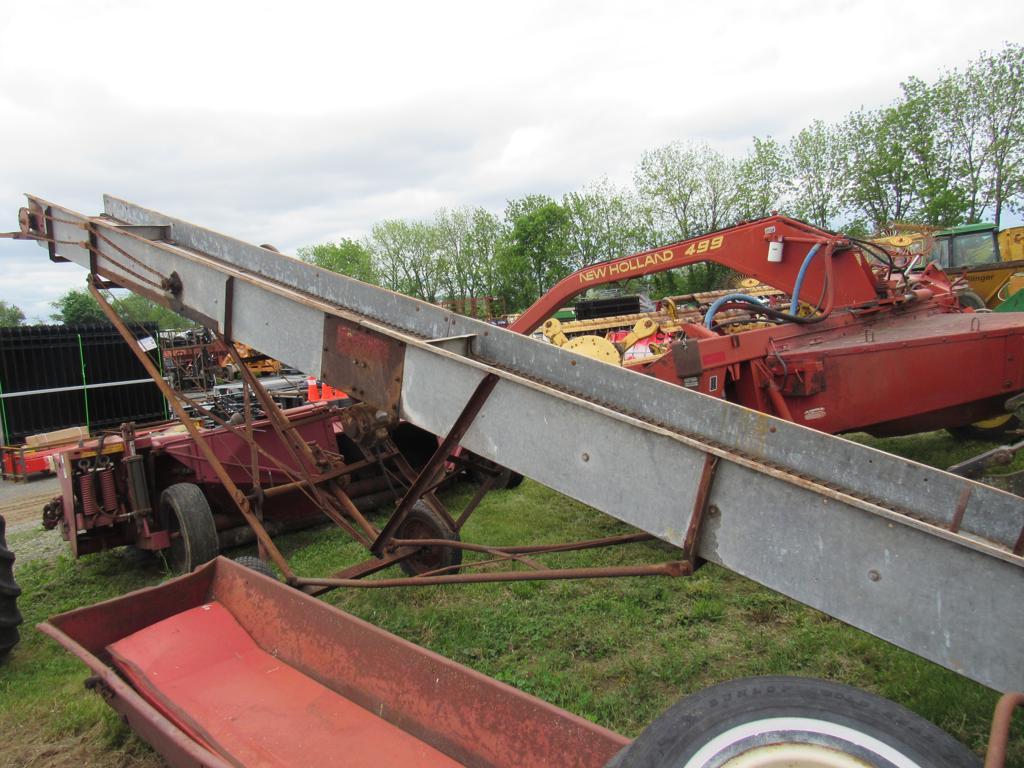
(75, 358)
(616, 305)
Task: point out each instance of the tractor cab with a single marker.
(969, 245)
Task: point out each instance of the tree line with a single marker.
(943, 153)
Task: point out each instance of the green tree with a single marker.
(485, 241)
(406, 259)
(467, 241)
(536, 252)
(77, 307)
(818, 157)
(762, 179)
(900, 166)
(996, 80)
(603, 223)
(135, 309)
(10, 314)
(885, 178)
(347, 257)
(957, 121)
(686, 190)
(667, 181)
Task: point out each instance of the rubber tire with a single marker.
(690, 725)
(423, 523)
(10, 616)
(505, 481)
(255, 564)
(970, 299)
(138, 558)
(184, 508)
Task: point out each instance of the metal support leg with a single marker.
(426, 476)
(240, 499)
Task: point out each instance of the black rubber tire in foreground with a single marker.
(184, 510)
(10, 617)
(715, 725)
(423, 523)
(255, 564)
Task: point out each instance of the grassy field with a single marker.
(615, 651)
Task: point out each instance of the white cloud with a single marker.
(291, 124)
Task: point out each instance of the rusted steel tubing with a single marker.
(301, 452)
(778, 402)
(405, 469)
(237, 535)
(359, 570)
(331, 474)
(483, 490)
(354, 489)
(572, 546)
(240, 499)
(467, 566)
(502, 555)
(513, 551)
(999, 736)
(674, 568)
(351, 510)
(426, 476)
(700, 504)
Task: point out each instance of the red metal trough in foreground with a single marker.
(400, 699)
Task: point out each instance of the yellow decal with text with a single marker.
(624, 267)
(703, 246)
(617, 270)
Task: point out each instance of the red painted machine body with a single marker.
(94, 511)
(881, 352)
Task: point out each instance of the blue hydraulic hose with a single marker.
(795, 303)
(727, 298)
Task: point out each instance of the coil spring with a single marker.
(108, 490)
(87, 490)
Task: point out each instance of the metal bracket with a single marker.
(700, 508)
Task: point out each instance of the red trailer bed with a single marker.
(228, 667)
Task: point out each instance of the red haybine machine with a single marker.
(153, 489)
(927, 560)
(835, 351)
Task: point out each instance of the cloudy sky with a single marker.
(295, 123)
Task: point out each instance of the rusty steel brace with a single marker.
(425, 478)
(700, 508)
(999, 736)
(240, 499)
(300, 451)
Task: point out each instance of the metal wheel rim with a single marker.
(427, 558)
(819, 743)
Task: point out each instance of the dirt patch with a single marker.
(21, 504)
(87, 749)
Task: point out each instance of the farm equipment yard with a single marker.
(617, 652)
(694, 531)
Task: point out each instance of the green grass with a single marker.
(615, 651)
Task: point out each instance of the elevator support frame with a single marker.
(926, 560)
